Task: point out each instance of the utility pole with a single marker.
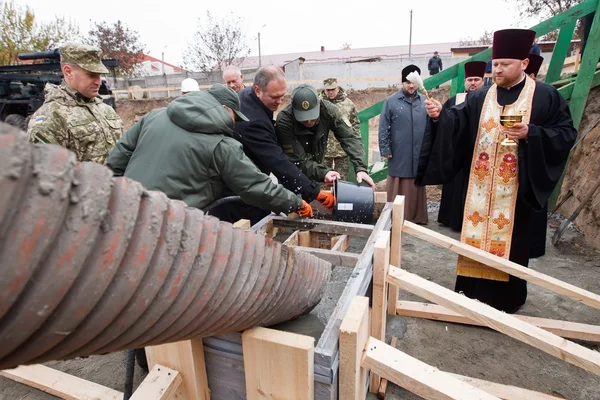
(259, 56)
(410, 37)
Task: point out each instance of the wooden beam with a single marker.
(340, 243)
(545, 281)
(160, 384)
(380, 197)
(304, 239)
(396, 250)
(498, 320)
(354, 333)
(381, 262)
(242, 224)
(416, 376)
(337, 258)
(278, 365)
(561, 48)
(325, 226)
(186, 357)
(505, 392)
(60, 384)
(384, 381)
(292, 240)
(566, 329)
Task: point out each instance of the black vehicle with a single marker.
(22, 85)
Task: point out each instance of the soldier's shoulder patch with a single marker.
(39, 119)
(288, 149)
(347, 122)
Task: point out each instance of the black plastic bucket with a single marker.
(354, 203)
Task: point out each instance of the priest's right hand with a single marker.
(434, 108)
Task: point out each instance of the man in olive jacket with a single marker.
(303, 129)
(187, 152)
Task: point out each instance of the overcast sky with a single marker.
(294, 25)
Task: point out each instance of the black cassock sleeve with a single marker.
(447, 144)
(543, 156)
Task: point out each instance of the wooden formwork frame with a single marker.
(362, 350)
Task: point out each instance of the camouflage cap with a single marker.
(330, 83)
(86, 57)
(305, 103)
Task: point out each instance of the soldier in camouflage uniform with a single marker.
(335, 156)
(73, 115)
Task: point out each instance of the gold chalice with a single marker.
(508, 121)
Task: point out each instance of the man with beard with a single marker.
(454, 192)
(513, 167)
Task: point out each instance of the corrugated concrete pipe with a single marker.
(91, 264)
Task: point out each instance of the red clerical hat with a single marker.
(475, 68)
(512, 43)
(535, 62)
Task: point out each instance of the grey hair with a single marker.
(233, 68)
(267, 74)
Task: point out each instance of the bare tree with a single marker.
(346, 46)
(216, 44)
(544, 9)
(484, 40)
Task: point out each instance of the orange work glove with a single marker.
(305, 210)
(326, 198)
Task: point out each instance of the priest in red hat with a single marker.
(452, 202)
(508, 179)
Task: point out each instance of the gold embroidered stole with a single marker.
(493, 185)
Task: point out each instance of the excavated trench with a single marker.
(91, 264)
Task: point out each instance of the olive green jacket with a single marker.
(306, 147)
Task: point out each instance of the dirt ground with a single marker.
(471, 351)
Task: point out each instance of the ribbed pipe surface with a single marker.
(91, 264)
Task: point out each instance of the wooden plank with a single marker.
(586, 71)
(278, 365)
(160, 384)
(292, 240)
(381, 197)
(396, 249)
(384, 381)
(186, 357)
(340, 243)
(337, 258)
(325, 226)
(381, 262)
(416, 376)
(497, 320)
(327, 347)
(560, 52)
(505, 392)
(304, 239)
(60, 384)
(242, 224)
(354, 333)
(545, 281)
(263, 225)
(566, 329)
(321, 240)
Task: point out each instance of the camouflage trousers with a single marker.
(339, 164)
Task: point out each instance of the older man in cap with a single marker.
(73, 115)
(452, 202)
(335, 156)
(187, 151)
(401, 128)
(303, 129)
(513, 169)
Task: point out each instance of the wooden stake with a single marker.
(381, 262)
(416, 376)
(530, 275)
(396, 251)
(278, 365)
(497, 320)
(242, 224)
(354, 333)
(384, 381)
(186, 357)
(566, 329)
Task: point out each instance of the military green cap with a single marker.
(227, 97)
(330, 83)
(305, 103)
(86, 57)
